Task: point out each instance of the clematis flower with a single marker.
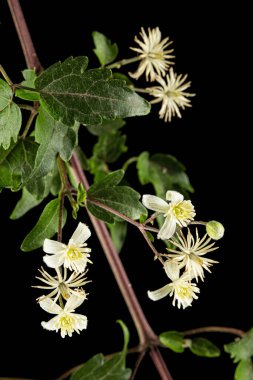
(178, 211)
(65, 320)
(181, 288)
(190, 252)
(154, 57)
(74, 256)
(172, 94)
(61, 285)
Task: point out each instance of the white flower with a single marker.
(176, 212)
(74, 255)
(172, 94)
(65, 319)
(181, 288)
(61, 285)
(155, 59)
(190, 252)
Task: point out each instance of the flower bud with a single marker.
(215, 229)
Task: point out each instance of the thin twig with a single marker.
(137, 364)
(213, 329)
(29, 122)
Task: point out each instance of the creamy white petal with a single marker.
(52, 246)
(159, 293)
(50, 306)
(168, 228)
(73, 302)
(172, 269)
(174, 196)
(154, 203)
(52, 324)
(54, 261)
(81, 234)
(81, 321)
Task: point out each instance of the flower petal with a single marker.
(152, 202)
(73, 302)
(54, 261)
(174, 196)
(50, 306)
(159, 293)
(52, 246)
(81, 321)
(168, 228)
(171, 268)
(52, 324)
(81, 234)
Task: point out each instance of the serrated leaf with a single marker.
(241, 349)
(16, 167)
(72, 94)
(46, 226)
(165, 172)
(98, 368)
(118, 232)
(105, 50)
(29, 76)
(173, 340)
(10, 116)
(54, 137)
(244, 370)
(123, 199)
(204, 347)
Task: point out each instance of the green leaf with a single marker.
(165, 172)
(16, 167)
(98, 368)
(112, 179)
(244, 370)
(5, 95)
(110, 146)
(105, 50)
(46, 226)
(29, 76)
(33, 194)
(118, 232)
(54, 137)
(123, 199)
(26, 203)
(203, 347)
(173, 340)
(106, 126)
(10, 116)
(72, 94)
(241, 349)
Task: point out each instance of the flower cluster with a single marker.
(64, 288)
(155, 62)
(184, 261)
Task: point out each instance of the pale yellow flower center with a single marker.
(66, 323)
(183, 210)
(184, 292)
(74, 253)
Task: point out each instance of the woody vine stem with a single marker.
(147, 337)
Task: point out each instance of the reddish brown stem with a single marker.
(159, 364)
(31, 58)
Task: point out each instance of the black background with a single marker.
(211, 140)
